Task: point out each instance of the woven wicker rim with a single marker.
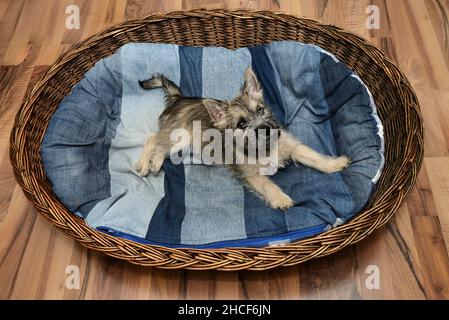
(397, 105)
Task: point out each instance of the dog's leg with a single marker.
(269, 191)
(291, 147)
(152, 157)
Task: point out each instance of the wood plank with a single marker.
(403, 260)
(3, 9)
(294, 7)
(284, 284)
(104, 277)
(199, 285)
(226, 285)
(50, 45)
(426, 36)
(415, 61)
(95, 12)
(441, 98)
(330, 277)
(115, 11)
(139, 9)
(253, 285)
(72, 36)
(432, 254)
(80, 257)
(39, 29)
(168, 284)
(18, 45)
(392, 252)
(438, 12)
(14, 240)
(281, 283)
(136, 282)
(13, 87)
(422, 201)
(411, 251)
(52, 283)
(10, 19)
(438, 172)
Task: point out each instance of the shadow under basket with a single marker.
(396, 102)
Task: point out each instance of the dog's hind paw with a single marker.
(337, 164)
(281, 201)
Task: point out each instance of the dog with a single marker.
(247, 111)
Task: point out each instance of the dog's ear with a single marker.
(216, 109)
(251, 85)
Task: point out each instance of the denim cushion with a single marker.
(97, 133)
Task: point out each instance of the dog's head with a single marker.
(247, 112)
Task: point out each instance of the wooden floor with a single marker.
(410, 252)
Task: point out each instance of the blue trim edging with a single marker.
(253, 242)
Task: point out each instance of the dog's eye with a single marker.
(241, 124)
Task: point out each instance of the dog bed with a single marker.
(395, 100)
(95, 136)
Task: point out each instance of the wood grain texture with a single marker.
(411, 251)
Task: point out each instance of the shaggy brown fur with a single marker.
(245, 112)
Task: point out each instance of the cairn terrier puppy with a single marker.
(247, 111)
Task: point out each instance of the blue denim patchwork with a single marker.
(97, 133)
(77, 141)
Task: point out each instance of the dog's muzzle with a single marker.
(268, 129)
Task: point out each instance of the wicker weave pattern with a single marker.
(397, 106)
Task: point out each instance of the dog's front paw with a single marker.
(337, 164)
(155, 164)
(143, 166)
(281, 201)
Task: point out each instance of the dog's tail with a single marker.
(160, 81)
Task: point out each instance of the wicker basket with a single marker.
(397, 106)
